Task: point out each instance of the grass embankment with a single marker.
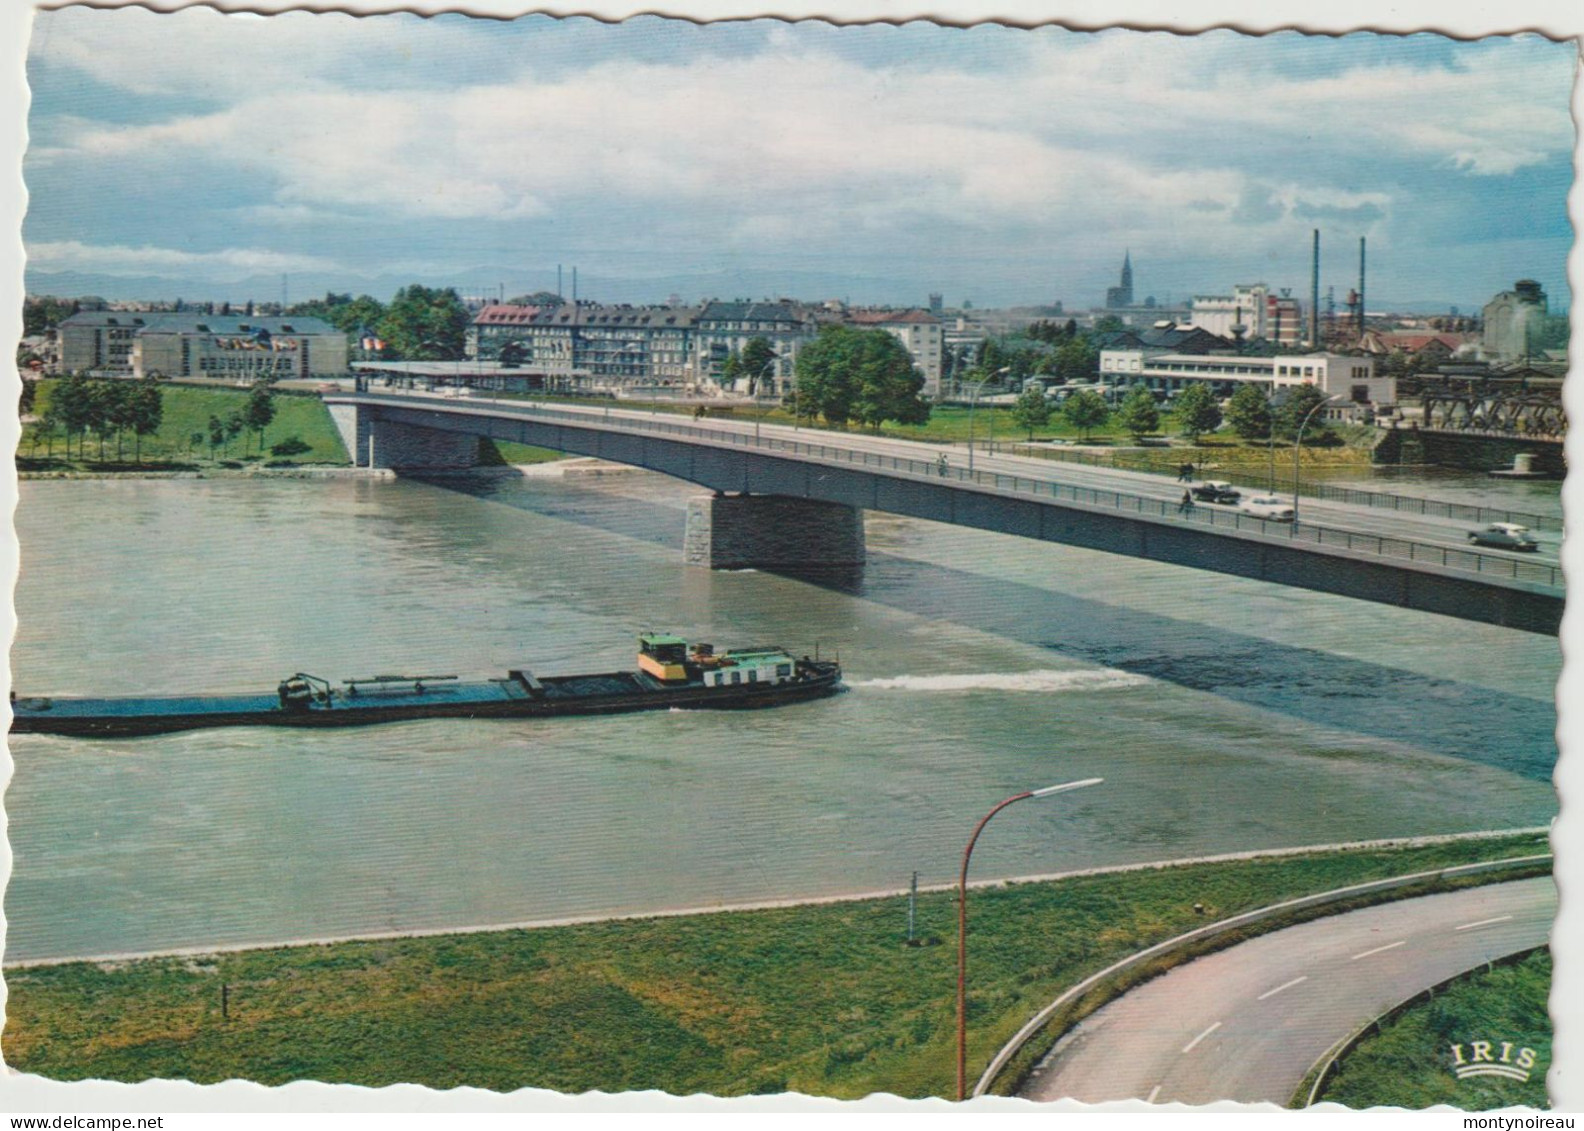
(821, 999)
(187, 410)
(1410, 1062)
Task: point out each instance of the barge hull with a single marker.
(613, 693)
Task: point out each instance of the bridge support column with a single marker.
(771, 531)
(373, 442)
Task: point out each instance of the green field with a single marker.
(1410, 1062)
(187, 413)
(824, 999)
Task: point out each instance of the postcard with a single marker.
(966, 561)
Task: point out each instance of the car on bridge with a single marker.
(1504, 536)
(1217, 491)
(1270, 507)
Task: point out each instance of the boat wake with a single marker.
(1046, 680)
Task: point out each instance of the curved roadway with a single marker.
(1247, 1023)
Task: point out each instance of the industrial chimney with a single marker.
(1361, 289)
(1314, 295)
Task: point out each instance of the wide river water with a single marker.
(1224, 714)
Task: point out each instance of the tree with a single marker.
(538, 298)
(865, 375)
(1032, 410)
(120, 410)
(421, 324)
(1077, 360)
(1139, 413)
(1296, 409)
(44, 313)
(71, 403)
(1249, 413)
(1086, 410)
(758, 357)
(259, 411)
(217, 434)
(147, 411)
(1108, 324)
(233, 428)
(1197, 411)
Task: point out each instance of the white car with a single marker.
(1505, 536)
(1269, 507)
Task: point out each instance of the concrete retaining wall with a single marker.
(771, 531)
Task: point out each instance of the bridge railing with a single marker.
(1429, 553)
(1165, 464)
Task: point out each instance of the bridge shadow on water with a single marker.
(1444, 716)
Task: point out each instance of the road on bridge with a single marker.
(1247, 1023)
(1348, 517)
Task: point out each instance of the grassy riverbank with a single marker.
(1410, 1062)
(182, 441)
(822, 999)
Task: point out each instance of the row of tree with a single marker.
(1197, 412)
(79, 406)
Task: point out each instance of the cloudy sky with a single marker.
(997, 164)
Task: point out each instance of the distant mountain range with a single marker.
(809, 286)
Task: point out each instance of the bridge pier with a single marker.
(771, 532)
(373, 442)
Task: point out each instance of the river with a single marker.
(1224, 714)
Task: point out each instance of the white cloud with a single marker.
(1182, 140)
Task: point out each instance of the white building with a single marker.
(920, 333)
(1247, 306)
(1353, 379)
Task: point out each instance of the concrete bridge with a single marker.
(798, 499)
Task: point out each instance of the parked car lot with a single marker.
(1504, 536)
(1217, 491)
(1271, 507)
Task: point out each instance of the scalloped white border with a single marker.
(1559, 19)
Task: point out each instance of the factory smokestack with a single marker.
(559, 291)
(1314, 295)
(1361, 289)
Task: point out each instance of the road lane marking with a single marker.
(1283, 986)
(1155, 1091)
(1483, 923)
(1189, 1047)
(1377, 950)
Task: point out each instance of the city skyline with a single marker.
(862, 162)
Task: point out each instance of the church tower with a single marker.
(1122, 295)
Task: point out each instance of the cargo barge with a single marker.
(670, 674)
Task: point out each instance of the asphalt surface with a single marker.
(1353, 518)
(1247, 1023)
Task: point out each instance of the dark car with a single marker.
(1216, 491)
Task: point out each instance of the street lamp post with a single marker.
(760, 415)
(973, 399)
(1298, 450)
(962, 921)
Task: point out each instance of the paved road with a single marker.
(1357, 519)
(1249, 1022)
